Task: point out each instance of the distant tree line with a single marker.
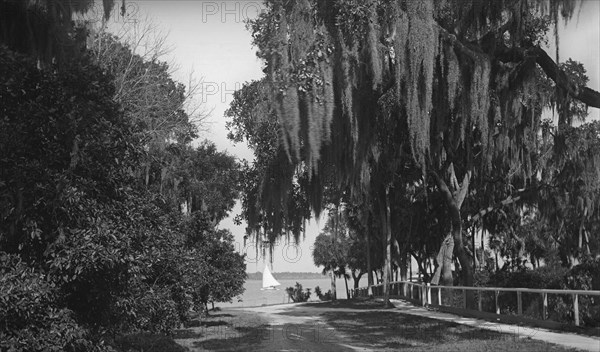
(286, 275)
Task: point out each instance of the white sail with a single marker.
(269, 281)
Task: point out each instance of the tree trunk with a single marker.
(497, 266)
(369, 270)
(461, 254)
(410, 267)
(356, 279)
(403, 267)
(388, 251)
(453, 242)
(587, 243)
(333, 288)
(347, 291)
(483, 260)
(475, 261)
(443, 272)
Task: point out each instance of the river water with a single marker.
(254, 296)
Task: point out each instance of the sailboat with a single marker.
(269, 282)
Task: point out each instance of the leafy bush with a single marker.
(31, 319)
(96, 242)
(542, 277)
(560, 307)
(145, 342)
(327, 296)
(296, 293)
(585, 276)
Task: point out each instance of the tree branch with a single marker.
(584, 94)
(509, 200)
(464, 187)
(443, 188)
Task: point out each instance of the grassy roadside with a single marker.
(334, 326)
(387, 330)
(229, 330)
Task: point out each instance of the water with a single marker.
(254, 296)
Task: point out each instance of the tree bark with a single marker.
(369, 270)
(454, 202)
(404, 267)
(347, 291)
(356, 279)
(443, 272)
(333, 288)
(388, 251)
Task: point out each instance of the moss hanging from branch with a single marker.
(331, 62)
(373, 48)
(480, 96)
(422, 51)
(301, 30)
(328, 99)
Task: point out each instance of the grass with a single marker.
(358, 323)
(234, 331)
(392, 331)
(146, 342)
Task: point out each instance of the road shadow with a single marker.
(240, 338)
(383, 330)
(370, 325)
(147, 342)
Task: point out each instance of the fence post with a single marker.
(576, 308)
(519, 303)
(423, 292)
(479, 300)
(411, 292)
(545, 305)
(497, 306)
(428, 294)
(439, 295)
(404, 285)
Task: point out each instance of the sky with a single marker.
(209, 40)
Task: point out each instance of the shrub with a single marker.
(147, 342)
(560, 307)
(328, 296)
(585, 276)
(543, 277)
(296, 293)
(31, 319)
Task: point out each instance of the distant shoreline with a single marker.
(288, 276)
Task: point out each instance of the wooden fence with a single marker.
(499, 301)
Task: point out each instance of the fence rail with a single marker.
(445, 296)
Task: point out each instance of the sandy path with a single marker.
(289, 327)
(295, 327)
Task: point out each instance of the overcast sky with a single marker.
(209, 38)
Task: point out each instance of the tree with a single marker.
(356, 258)
(107, 255)
(296, 293)
(45, 29)
(222, 270)
(331, 249)
(460, 76)
(270, 180)
(152, 101)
